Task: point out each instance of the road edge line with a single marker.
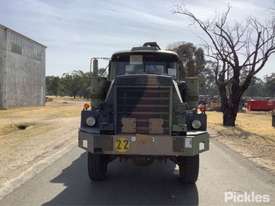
(38, 167)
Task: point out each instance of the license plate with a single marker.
(122, 144)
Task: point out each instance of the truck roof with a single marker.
(147, 48)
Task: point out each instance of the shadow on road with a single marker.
(127, 184)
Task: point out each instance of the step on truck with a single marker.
(144, 110)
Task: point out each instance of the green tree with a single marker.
(191, 56)
(193, 61)
(52, 85)
(270, 85)
(84, 83)
(207, 80)
(71, 84)
(256, 88)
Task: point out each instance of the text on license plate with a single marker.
(122, 144)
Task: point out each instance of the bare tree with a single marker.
(240, 51)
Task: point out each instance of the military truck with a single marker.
(143, 111)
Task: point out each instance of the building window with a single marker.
(15, 48)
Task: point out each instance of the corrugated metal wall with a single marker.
(23, 76)
(2, 63)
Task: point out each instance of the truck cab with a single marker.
(145, 109)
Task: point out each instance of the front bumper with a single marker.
(159, 145)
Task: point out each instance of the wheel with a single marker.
(97, 166)
(189, 169)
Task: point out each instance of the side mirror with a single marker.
(182, 89)
(97, 89)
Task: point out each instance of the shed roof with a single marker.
(9, 29)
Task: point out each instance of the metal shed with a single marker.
(22, 70)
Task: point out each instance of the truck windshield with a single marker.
(159, 68)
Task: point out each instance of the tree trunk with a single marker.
(229, 117)
(230, 104)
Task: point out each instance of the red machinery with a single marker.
(260, 105)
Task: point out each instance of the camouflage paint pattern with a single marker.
(149, 114)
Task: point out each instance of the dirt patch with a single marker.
(253, 137)
(5, 130)
(23, 126)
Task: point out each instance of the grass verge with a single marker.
(253, 136)
(29, 134)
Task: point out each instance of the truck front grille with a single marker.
(143, 104)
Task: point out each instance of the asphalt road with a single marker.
(65, 182)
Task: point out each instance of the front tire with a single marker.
(189, 169)
(97, 166)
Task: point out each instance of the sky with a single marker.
(75, 30)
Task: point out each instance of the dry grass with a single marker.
(59, 107)
(253, 136)
(256, 123)
(36, 117)
(29, 133)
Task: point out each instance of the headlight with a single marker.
(196, 124)
(90, 121)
